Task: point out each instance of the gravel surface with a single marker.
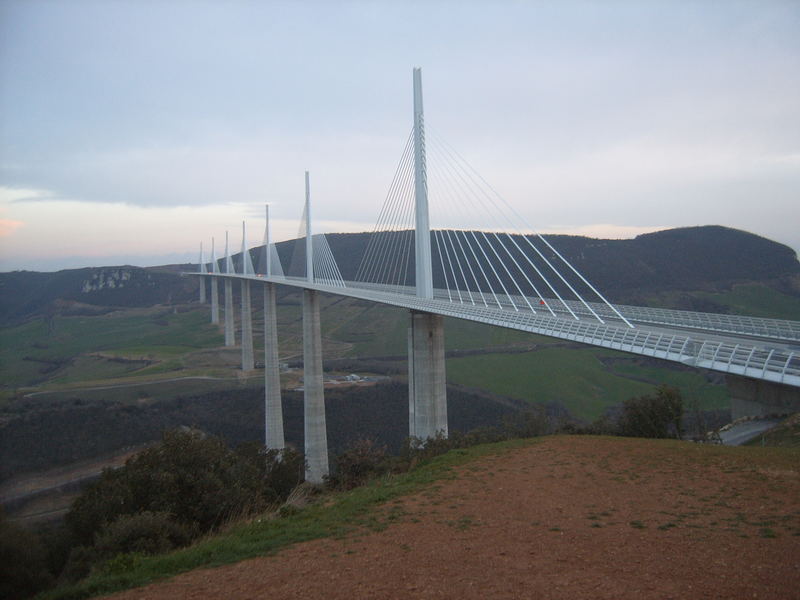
(567, 517)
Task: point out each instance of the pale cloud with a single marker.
(17, 194)
(94, 230)
(9, 226)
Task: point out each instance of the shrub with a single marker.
(657, 416)
(358, 464)
(280, 471)
(193, 477)
(23, 562)
(144, 533)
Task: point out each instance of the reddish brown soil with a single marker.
(569, 517)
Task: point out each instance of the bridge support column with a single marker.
(202, 290)
(214, 301)
(248, 363)
(755, 397)
(316, 434)
(427, 385)
(230, 334)
(273, 410)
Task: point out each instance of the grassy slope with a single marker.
(752, 299)
(575, 378)
(758, 301)
(785, 435)
(344, 514)
(339, 515)
(155, 334)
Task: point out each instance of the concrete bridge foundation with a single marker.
(248, 362)
(316, 433)
(427, 386)
(273, 410)
(756, 397)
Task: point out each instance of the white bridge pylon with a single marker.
(492, 269)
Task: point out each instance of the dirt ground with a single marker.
(568, 517)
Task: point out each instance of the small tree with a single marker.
(191, 476)
(23, 564)
(359, 463)
(657, 416)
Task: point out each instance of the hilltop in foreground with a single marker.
(561, 517)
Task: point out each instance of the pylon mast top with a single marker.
(422, 248)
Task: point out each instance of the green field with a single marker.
(158, 343)
(758, 301)
(576, 378)
(75, 349)
(334, 515)
(752, 299)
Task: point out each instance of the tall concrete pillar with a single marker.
(214, 287)
(202, 269)
(316, 433)
(273, 411)
(230, 334)
(427, 384)
(248, 363)
(214, 301)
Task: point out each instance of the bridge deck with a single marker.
(767, 349)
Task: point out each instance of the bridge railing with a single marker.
(749, 358)
(776, 329)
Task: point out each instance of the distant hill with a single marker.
(670, 265)
(25, 294)
(692, 258)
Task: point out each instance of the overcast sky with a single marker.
(130, 131)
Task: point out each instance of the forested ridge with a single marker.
(708, 258)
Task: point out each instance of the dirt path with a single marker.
(570, 517)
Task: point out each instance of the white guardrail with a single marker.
(748, 351)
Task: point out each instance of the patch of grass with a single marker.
(757, 300)
(574, 377)
(33, 352)
(785, 435)
(692, 384)
(767, 532)
(637, 525)
(331, 516)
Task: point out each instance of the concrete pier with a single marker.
(230, 334)
(214, 301)
(273, 410)
(427, 389)
(756, 397)
(316, 434)
(248, 363)
(202, 290)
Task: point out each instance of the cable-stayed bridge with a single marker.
(491, 269)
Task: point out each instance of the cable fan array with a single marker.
(388, 259)
(323, 262)
(492, 261)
